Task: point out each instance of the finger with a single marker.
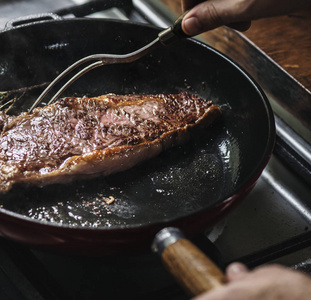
(214, 13)
(220, 293)
(202, 17)
(236, 271)
(211, 14)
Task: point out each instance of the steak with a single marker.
(87, 137)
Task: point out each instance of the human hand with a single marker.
(238, 14)
(267, 282)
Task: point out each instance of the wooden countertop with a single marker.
(286, 39)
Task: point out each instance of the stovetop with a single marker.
(271, 225)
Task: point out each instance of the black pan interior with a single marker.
(180, 182)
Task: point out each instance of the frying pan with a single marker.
(190, 187)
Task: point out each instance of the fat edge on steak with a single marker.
(87, 137)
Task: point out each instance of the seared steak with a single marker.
(87, 137)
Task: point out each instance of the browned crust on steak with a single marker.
(132, 138)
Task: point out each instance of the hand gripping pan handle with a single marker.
(189, 265)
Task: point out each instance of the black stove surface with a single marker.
(33, 274)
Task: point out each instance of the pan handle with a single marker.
(26, 20)
(189, 265)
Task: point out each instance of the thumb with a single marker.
(235, 13)
(236, 271)
(214, 13)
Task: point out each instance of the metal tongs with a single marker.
(165, 38)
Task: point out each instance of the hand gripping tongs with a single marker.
(165, 37)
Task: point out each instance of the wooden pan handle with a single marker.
(188, 264)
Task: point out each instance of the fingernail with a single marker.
(236, 271)
(192, 26)
(237, 268)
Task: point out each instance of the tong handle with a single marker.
(174, 32)
(188, 264)
(177, 28)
